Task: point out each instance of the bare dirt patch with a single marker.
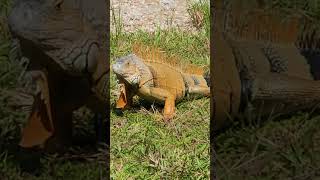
(147, 15)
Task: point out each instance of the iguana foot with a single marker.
(168, 117)
(169, 109)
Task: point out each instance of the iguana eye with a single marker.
(58, 4)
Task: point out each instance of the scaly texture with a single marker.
(269, 71)
(154, 76)
(150, 54)
(67, 40)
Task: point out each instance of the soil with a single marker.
(148, 15)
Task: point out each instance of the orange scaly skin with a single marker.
(162, 79)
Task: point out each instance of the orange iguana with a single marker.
(155, 77)
(65, 41)
(264, 64)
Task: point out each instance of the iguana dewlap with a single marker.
(65, 41)
(156, 81)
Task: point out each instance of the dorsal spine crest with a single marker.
(269, 26)
(151, 54)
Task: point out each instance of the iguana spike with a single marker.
(260, 24)
(154, 54)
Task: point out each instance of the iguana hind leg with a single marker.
(161, 95)
(205, 91)
(283, 93)
(197, 85)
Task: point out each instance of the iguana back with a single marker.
(170, 73)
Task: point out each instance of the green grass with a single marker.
(283, 149)
(143, 146)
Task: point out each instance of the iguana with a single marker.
(262, 65)
(152, 75)
(65, 41)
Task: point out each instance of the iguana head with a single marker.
(47, 23)
(61, 29)
(129, 69)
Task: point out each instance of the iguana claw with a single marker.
(168, 117)
(169, 110)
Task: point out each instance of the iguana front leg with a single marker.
(161, 95)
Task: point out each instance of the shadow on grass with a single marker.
(278, 148)
(19, 163)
